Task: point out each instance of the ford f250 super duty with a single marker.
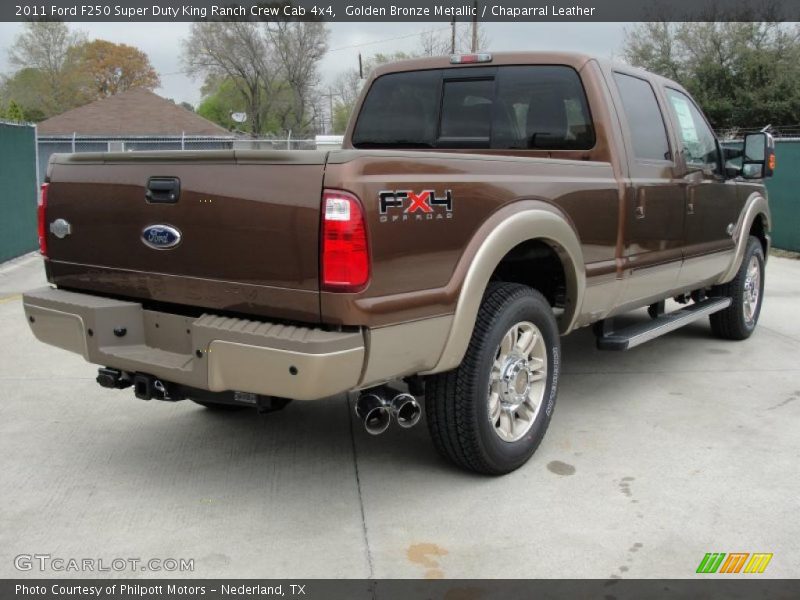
(481, 207)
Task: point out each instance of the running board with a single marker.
(635, 335)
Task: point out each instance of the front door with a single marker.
(712, 207)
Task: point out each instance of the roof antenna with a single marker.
(360, 67)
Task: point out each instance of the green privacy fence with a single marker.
(784, 196)
(784, 193)
(18, 190)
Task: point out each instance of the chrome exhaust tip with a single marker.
(375, 412)
(406, 410)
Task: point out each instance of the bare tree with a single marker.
(435, 42)
(272, 65)
(464, 38)
(298, 47)
(347, 86)
(44, 45)
(239, 52)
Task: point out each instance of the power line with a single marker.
(400, 37)
(361, 45)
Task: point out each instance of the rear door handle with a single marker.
(163, 190)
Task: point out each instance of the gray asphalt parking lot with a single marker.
(683, 446)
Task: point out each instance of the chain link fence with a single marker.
(784, 132)
(783, 186)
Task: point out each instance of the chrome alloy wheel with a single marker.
(752, 290)
(517, 382)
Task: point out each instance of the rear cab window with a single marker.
(539, 107)
(646, 126)
(401, 109)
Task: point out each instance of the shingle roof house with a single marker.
(134, 113)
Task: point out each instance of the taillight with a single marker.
(344, 251)
(41, 213)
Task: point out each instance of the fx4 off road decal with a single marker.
(408, 205)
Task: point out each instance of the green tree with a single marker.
(14, 112)
(743, 74)
(57, 69)
(221, 99)
(31, 89)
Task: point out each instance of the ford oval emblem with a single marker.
(161, 237)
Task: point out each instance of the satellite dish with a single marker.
(239, 117)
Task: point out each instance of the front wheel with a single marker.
(746, 291)
(490, 414)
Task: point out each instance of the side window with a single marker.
(645, 121)
(467, 113)
(541, 108)
(698, 140)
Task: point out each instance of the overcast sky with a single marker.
(162, 43)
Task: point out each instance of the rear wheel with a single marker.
(490, 414)
(746, 291)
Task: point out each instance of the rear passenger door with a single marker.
(654, 199)
(711, 200)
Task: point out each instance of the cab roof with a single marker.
(573, 59)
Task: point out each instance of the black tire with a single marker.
(733, 323)
(457, 402)
(218, 406)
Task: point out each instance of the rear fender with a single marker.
(510, 226)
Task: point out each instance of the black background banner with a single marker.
(749, 587)
(401, 10)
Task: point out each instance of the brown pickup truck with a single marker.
(481, 207)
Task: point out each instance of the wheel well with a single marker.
(536, 264)
(758, 229)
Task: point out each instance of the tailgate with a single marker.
(240, 235)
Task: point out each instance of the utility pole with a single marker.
(453, 35)
(330, 106)
(475, 27)
(330, 96)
